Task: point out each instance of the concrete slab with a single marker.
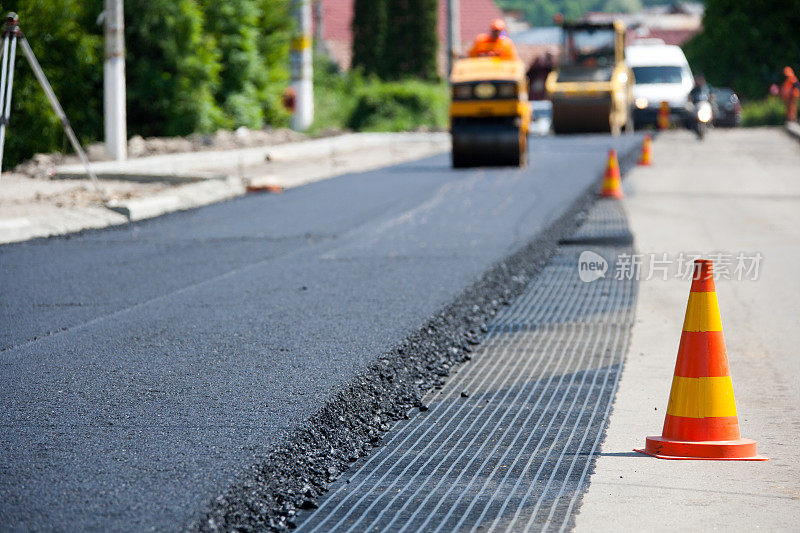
(736, 192)
(316, 148)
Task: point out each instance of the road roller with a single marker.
(489, 112)
(592, 88)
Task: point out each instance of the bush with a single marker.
(352, 100)
(252, 39)
(767, 112)
(172, 68)
(399, 106)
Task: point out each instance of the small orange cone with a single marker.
(612, 184)
(663, 116)
(646, 158)
(701, 420)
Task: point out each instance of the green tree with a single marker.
(173, 68)
(411, 39)
(745, 45)
(186, 72)
(68, 44)
(252, 74)
(369, 35)
(275, 26)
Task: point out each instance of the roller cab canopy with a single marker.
(472, 69)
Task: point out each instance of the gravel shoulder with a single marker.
(736, 192)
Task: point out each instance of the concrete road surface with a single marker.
(145, 367)
(738, 192)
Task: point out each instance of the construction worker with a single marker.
(791, 93)
(496, 43)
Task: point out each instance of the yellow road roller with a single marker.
(489, 112)
(592, 88)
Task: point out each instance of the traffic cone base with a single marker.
(701, 420)
(733, 450)
(646, 159)
(612, 181)
(612, 189)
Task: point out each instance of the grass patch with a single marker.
(767, 112)
(352, 101)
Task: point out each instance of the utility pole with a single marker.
(116, 131)
(302, 67)
(453, 32)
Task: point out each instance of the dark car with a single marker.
(727, 109)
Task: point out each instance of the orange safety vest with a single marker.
(789, 89)
(486, 46)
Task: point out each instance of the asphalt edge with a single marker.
(353, 421)
(198, 189)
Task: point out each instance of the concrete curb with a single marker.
(180, 199)
(142, 177)
(195, 186)
(51, 223)
(216, 188)
(181, 164)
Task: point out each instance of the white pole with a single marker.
(453, 32)
(116, 132)
(302, 67)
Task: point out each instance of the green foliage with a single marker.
(173, 68)
(252, 74)
(396, 38)
(276, 26)
(192, 66)
(333, 94)
(767, 112)
(745, 45)
(69, 46)
(399, 106)
(411, 39)
(369, 35)
(365, 103)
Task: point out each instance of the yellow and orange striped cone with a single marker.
(701, 420)
(612, 183)
(646, 159)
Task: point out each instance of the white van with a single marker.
(662, 74)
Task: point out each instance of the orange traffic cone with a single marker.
(701, 420)
(612, 184)
(646, 158)
(662, 119)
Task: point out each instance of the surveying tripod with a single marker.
(12, 34)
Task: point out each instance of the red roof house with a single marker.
(338, 14)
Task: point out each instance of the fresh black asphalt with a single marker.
(144, 367)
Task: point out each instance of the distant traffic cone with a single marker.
(701, 420)
(612, 184)
(646, 159)
(662, 119)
